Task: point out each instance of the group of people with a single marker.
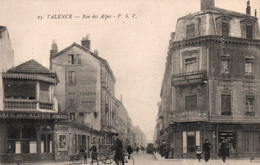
(164, 150)
(223, 151)
(117, 147)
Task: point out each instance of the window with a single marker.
(81, 114)
(190, 64)
(224, 64)
(79, 58)
(46, 143)
(250, 105)
(72, 116)
(191, 103)
(71, 98)
(249, 66)
(249, 32)
(71, 59)
(226, 104)
(190, 31)
(225, 29)
(72, 78)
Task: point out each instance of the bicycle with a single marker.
(77, 158)
(127, 159)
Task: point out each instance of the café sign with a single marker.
(189, 78)
(32, 115)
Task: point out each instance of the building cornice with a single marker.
(214, 39)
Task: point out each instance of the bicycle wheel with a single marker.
(76, 159)
(129, 159)
(105, 159)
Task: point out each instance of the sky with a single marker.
(135, 47)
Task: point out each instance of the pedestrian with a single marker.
(198, 152)
(93, 150)
(167, 151)
(129, 150)
(118, 148)
(223, 151)
(206, 150)
(137, 149)
(83, 154)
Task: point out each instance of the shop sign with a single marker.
(189, 78)
(22, 115)
(189, 116)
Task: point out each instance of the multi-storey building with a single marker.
(213, 60)
(29, 113)
(86, 93)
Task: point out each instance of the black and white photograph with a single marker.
(129, 82)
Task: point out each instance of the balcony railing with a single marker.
(19, 104)
(23, 104)
(195, 77)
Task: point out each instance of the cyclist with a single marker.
(118, 148)
(83, 154)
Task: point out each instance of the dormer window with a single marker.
(190, 31)
(249, 32)
(225, 29)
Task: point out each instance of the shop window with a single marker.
(62, 143)
(250, 105)
(71, 98)
(191, 103)
(249, 32)
(190, 64)
(225, 29)
(190, 31)
(224, 65)
(71, 59)
(46, 143)
(71, 77)
(230, 136)
(72, 116)
(225, 104)
(191, 141)
(29, 132)
(249, 63)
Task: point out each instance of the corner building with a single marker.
(213, 61)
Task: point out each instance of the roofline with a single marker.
(88, 51)
(242, 15)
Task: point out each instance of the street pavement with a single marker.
(156, 159)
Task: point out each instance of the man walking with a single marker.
(224, 150)
(206, 150)
(118, 147)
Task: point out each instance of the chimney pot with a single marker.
(248, 8)
(86, 42)
(206, 4)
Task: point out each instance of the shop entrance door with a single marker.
(191, 144)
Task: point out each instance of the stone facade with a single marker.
(212, 66)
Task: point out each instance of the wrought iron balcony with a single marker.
(196, 77)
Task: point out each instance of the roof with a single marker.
(88, 51)
(221, 11)
(30, 68)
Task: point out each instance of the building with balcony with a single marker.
(87, 93)
(29, 114)
(213, 68)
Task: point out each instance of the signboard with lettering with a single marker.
(33, 115)
(190, 116)
(189, 78)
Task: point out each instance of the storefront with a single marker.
(29, 136)
(70, 136)
(243, 139)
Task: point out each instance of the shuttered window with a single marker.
(225, 29)
(191, 103)
(190, 31)
(225, 104)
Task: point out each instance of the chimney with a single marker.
(206, 4)
(85, 42)
(96, 52)
(255, 13)
(248, 8)
(53, 51)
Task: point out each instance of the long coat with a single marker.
(118, 148)
(224, 149)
